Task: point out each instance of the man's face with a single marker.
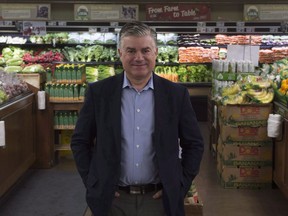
(138, 56)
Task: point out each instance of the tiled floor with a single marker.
(59, 192)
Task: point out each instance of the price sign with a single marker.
(240, 29)
(104, 29)
(62, 23)
(201, 29)
(220, 24)
(210, 29)
(240, 24)
(201, 24)
(273, 29)
(250, 29)
(114, 24)
(52, 23)
(92, 29)
(222, 29)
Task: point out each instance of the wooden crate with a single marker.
(35, 79)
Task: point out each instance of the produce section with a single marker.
(185, 56)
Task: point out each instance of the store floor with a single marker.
(59, 192)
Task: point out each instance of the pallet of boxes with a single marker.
(244, 151)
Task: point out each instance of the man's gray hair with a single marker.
(137, 29)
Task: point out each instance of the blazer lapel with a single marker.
(162, 105)
(115, 110)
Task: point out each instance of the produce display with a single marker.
(180, 49)
(89, 53)
(11, 86)
(278, 72)
(185, 73)
(252, 89)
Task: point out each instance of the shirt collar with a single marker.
(126, 83)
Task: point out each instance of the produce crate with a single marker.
(230, 134)
(193, 209)
(245, 114)
(246, 177)
(245, 154)
(35, 79)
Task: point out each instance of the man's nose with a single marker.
(138, 55)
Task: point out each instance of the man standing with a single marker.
(126, 140)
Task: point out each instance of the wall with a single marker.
(223, 11)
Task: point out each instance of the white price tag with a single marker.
(52, 23)
(240, 29)
(201, 24)
(114, 24)
(210, 29)
(222, 29)
(62, 23)
(220, 24)
(201, 29)
(104, 29)
(93, 29)
(240, 24)
(273, 29)
(250, 29)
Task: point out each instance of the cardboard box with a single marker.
(245, 114)
(193, 209)
(248, 134)
(246, 177)
(245, 154)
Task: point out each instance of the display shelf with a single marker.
(209, 27)
(19, 154)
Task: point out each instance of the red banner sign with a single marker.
(177, 12)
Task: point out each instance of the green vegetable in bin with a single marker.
(13, 69)
(33, 68)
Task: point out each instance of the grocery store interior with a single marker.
(230, 55)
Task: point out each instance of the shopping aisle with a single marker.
(47, 192)
(59, 192)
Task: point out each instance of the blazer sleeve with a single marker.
(84, 135)
(191, 142)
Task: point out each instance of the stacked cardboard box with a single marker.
(244, 151)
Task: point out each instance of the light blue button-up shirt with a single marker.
(138, 162)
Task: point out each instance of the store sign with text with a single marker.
(266, 12)
(178, 12)
(25, 11)
(34, 28)
(106, 12)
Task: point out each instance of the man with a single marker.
(126, 140)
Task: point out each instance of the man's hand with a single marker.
(157, 195)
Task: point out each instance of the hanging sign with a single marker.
(102, 12)
(34, 28)
(25, 11)
(178, 12)
(265, 12)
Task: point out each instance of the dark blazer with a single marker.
(96, 142)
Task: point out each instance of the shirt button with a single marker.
(138, 128)
(137, 164)
(138, 110)
(137, 146)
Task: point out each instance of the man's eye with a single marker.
(130, 51)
